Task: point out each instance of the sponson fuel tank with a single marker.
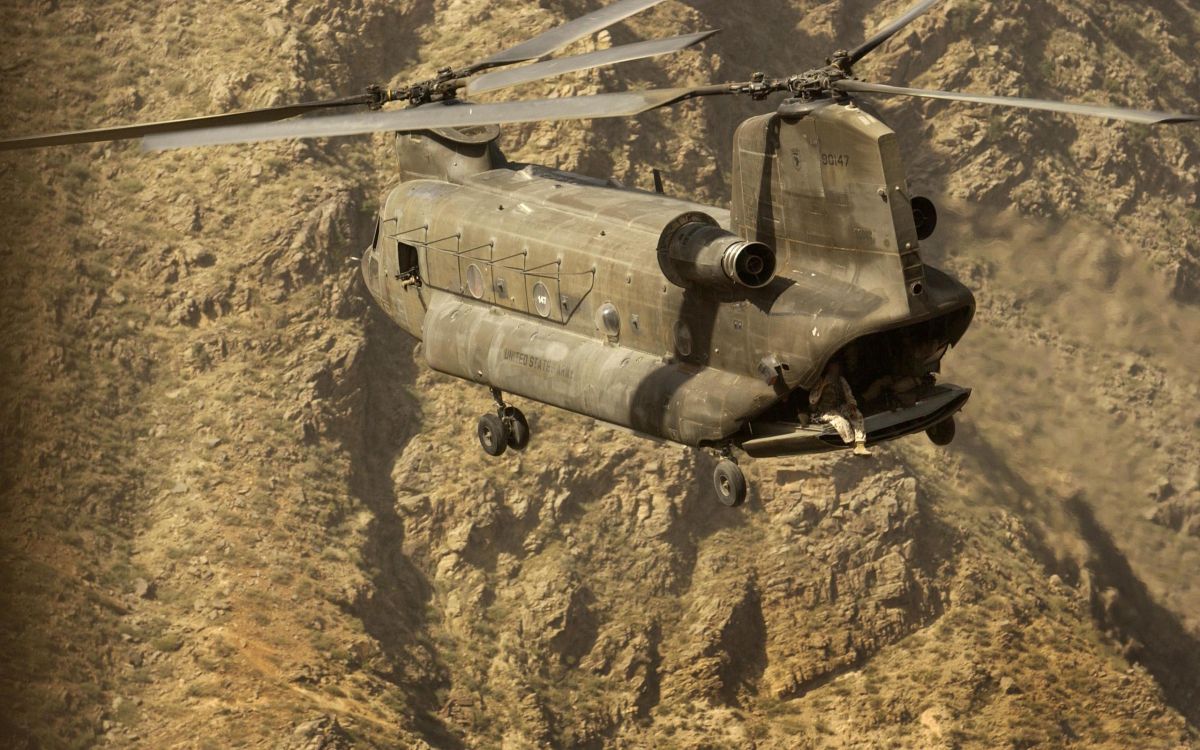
(535, 359)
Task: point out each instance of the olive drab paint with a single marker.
(639, 309)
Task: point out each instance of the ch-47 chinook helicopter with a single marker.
(696, 324)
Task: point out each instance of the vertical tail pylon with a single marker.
(827, 189)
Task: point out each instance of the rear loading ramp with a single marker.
(776, 439)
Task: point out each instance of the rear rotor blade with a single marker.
(504, 78)
(435, 115)
(561, 36)
(269, 114)
(1145, 117)
(887, 32)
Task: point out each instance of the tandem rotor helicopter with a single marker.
(700, 325)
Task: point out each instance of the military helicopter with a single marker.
(700, 325)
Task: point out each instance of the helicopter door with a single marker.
(399, 261)
(406, 261)
(401, 277)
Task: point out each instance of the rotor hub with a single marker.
(818, 82)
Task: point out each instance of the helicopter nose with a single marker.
(369, 267)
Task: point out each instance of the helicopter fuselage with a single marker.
(598, 298)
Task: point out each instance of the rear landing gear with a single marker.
(505, 429)
(729, 482)
(942, 433)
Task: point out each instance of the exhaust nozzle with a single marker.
(700, 252)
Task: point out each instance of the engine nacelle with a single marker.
(693, 250)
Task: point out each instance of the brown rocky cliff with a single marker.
(232, 501)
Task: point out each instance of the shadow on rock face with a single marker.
(840, 561)
(381, 420)
(1151, 634)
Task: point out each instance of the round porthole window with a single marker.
(541, 299)
(683, 339)
(475, 281)
(608, 319)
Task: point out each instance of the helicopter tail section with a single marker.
(823, 183)
(825, 186)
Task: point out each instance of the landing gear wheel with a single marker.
(493, 435)
(518, 428)
(730, 483)
(942, 433)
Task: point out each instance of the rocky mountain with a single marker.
(236, 511)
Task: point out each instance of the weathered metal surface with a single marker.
(699, 253)
(535, 249)
(447, 156)
(829, 193)
(540, 360)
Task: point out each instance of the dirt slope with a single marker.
(236, 513)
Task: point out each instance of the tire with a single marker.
(730, 484)
(942, 433)
(493, 435)
(518, 429)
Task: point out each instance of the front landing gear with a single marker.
(505, 429)
(729, 481)
(492, 434)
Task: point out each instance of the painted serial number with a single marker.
(835, 160)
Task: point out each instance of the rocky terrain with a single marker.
(237, 513)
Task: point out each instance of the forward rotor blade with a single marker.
(550, 68)
(560, 36)
(887, 32)
(434, 116)
(1145, 117)
(122, 132)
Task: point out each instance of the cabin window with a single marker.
(609, 320)
(406, 259)
(475, 281)
(541, 299)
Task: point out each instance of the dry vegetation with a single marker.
(234, 507)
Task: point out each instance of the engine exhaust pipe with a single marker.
(700, 252)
